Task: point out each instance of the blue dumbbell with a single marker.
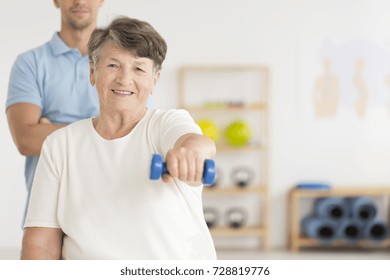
(159, 167)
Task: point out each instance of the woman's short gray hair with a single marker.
(134, 35)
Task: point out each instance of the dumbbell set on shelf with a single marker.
(234, 217)
(241, 177)
(344, 218)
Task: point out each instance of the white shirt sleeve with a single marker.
(175, 124)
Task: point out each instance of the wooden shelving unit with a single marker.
(216, 110)
(298, 240)
(249, 148)
(233, 190)
(226, 231)
(257, 105)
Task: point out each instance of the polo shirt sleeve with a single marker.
(23, 84)
(174, 124)
(42, 210)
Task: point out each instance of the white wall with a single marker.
(226, 32)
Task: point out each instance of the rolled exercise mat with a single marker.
(324, 230)
(376, 230)
(362, 208)
(350, 230)
(334, 208)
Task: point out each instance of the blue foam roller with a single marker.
(313, 185)
(323, 230)
(362, 208)
(334, 208)
(350, 230)
(376, 230)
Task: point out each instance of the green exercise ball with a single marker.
(209, 129)
(238, 133)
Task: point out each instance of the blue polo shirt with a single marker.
(55, 78)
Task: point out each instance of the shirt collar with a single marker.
(58, 46)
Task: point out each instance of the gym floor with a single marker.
(306, 255)
(13, 254)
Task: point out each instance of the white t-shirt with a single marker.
(99, 193)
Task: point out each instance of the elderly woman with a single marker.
(91, 197)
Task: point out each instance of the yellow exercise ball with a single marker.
(238, 133)
(209, 128)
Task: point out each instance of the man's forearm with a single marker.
(28, 128)
(29, 141)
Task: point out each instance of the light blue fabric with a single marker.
(55, 78)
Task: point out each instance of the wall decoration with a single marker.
(343, 78)
(342, 124)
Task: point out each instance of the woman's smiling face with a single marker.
(123, 81)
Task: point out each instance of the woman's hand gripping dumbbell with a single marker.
(187, 171)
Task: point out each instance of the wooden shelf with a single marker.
(220, 102)
(222, 109)
(222, 68)
(247, 148)
(244, 231)
(296, 194)
(342, 191)
(308, 242)
(233, 190)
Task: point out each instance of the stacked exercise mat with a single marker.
(345, 218)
